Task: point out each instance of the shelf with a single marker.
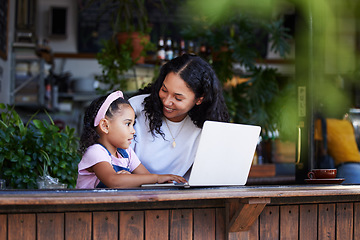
(27, 74)
(75, 55)
(79, 96)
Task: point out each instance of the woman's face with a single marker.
(177, 98)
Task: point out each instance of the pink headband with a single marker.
(105, 106)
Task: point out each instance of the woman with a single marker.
(170, 117)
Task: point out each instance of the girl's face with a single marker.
(121, 127)
(177, 98)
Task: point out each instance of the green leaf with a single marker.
(3, 125)
(38, 123)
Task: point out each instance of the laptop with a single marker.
(224, 155)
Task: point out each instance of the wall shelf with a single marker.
(27, 74)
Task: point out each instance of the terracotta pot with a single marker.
(216, 55)
(136, 39)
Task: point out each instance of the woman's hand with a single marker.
(169, 178)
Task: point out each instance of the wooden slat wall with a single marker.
(181, 224)
(289, 224)
(3, 226)
(326, 227)
(356, 221)
(296, 222)
(105, 225)
(22, 226)
(156, 224)
(308, 221)
(269, 223)
(344, 219)
(50, 226)
(131, 225)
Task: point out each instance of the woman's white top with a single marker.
(158, 155)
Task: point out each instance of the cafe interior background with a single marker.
(282, 64)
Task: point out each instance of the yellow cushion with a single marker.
(341, 141)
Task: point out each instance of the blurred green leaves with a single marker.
(239, 33)
(34, 149)
(325, 42)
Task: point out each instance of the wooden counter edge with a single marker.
(140, 195)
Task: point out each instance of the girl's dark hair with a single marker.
(201, 78)
(89, 135)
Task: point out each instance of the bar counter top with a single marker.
(309, 211)
(161, 194)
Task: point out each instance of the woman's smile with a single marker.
(168, 109)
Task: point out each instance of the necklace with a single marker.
(172, 136)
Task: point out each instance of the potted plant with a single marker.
(127, 47)
(130, 21)
(115, 60)
(36, 149)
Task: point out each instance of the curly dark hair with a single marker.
(89, 135)
(201, 78)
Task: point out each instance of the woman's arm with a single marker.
(106, 174)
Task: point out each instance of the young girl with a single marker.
(107, 160)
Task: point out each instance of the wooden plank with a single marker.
(262, 170)
(131, 225)
(289, 222)
(254, 230)
(251, 234)
(204, 223)
(105, 225)
(269, 223)
(308, 222)
(241, 213)
(181, 224)
(344, 221)
(21, 226)
(50, 226)
(3, 226)
(220, 226)
(156, 224)
(78, 225)
(326, 227)
(245, 216)
(357, 221)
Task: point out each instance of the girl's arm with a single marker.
(106, 174)
(141, 170)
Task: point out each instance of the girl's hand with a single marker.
(169, 178)
(123, 172)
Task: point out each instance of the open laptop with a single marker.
(224, 155)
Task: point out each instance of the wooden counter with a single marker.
(249, 212)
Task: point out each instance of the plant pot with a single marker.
(216, 55)
(137, 40)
